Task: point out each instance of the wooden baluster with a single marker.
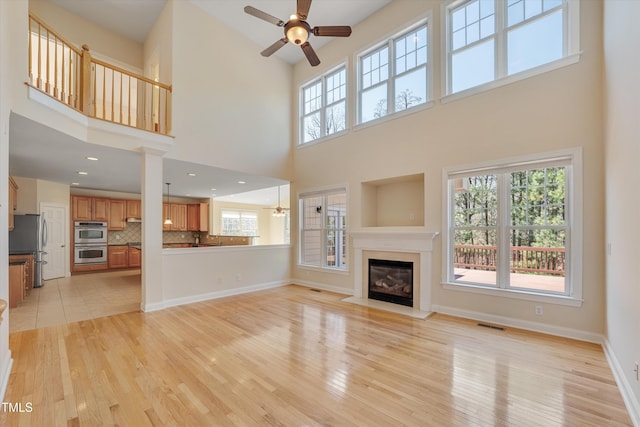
(85, 80)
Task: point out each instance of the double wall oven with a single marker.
(90, 242)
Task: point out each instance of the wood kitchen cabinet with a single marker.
(198, 217)
(118, 256)
(117, 215)
(134, 209)
(17, 281)
(86, 208)
(13, 200)
(29, 271)
(178, 214)
(135, 257)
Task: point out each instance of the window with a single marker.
(323, 229)
(397, 71)
(491, 39)
(239, 223)
(324, 106)
(512, 226)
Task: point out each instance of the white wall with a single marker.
(231, 106)
(555, 110)
(197, 274)
(622, 154)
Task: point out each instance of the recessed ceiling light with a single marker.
(213, 189)
(191, 174)
(75, 183)
(92, 158)
(213, 194)
(83, 173)
(241, 182)
(188, 194)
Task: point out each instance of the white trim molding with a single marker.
(626, 390)
(5, 372)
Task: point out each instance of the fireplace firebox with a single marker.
(391, 281)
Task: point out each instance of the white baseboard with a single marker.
(5, 372)
(521, 324)
(221, 294)
(630, 400)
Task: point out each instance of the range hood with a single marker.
(131, 219)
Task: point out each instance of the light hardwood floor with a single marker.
(292, 356)
(79, 297)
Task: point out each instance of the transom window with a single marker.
(397, 71)
(239, 223)
(511, 227)
(491, 39)
(324, 106)
(323, 229)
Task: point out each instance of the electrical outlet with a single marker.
(635, 369)
(539, 310)
(238, 277)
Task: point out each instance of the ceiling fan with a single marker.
(278, 210)
(297, 30)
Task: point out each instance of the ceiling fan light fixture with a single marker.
(297, 32)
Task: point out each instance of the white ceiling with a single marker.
(39, 152)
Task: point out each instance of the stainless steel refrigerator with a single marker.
(29, 236)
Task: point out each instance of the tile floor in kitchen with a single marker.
(76, 298)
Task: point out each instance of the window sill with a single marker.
(560, 63)
(323, 139)
(394, 116)
(516, 294)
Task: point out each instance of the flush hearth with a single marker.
(391, 281)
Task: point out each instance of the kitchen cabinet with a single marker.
(100, 209)
(86, 208)
(178, 214)
(29, 271)
(17, 280)
(13, 200)
(198, 217)
(117, 215)
(135, 257)
(134, 209)
(118, 256)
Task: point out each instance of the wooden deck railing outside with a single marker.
(93, 87)
(525, 259)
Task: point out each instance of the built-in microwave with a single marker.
(90, 232)
(90, 254)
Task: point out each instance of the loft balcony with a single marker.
(93, 87)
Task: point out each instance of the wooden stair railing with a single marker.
(93, 87)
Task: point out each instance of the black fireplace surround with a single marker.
(391, 281)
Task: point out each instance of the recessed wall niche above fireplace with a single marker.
(391, 281)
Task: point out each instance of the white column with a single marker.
(152, 286)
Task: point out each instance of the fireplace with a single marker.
(391, 281)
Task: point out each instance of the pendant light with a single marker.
(168, 220)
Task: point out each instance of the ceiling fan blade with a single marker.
(310, 54)
(303, 9)
(332, 31)
(264, 16)
(274, 47)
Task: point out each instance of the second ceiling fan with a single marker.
(297, 30)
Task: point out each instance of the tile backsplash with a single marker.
(133, 233)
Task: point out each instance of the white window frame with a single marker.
(571, 49)
(324, 229)
(240, 232)
(389, 43)
(324, 106)
(573, 202)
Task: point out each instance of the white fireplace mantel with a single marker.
(395, 239)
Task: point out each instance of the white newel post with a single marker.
(395, 239)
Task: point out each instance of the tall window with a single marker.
(510, 226)
(324, 106)
(491, 39)
(323, 229)
(396, 71)
(239, 223)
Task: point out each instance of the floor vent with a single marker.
(484, 325)
(315, 290)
